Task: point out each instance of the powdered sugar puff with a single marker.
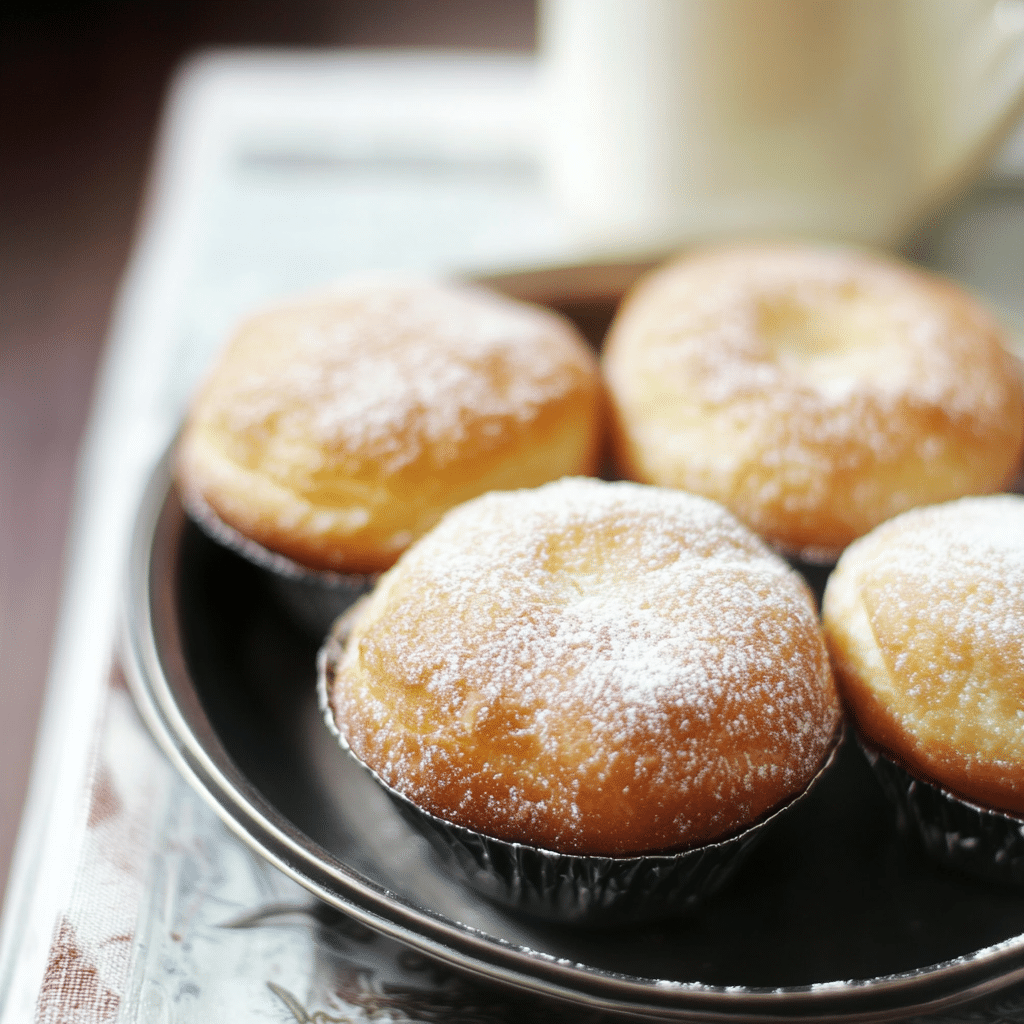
(816, 392)
(590, 667)
(391, 370)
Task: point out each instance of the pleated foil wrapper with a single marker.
(961, 835)
(579, 890)
(311, 599)
(569, 889)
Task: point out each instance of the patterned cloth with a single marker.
(172, 918)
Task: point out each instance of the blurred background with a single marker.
(81, 90)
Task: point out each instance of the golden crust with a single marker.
(336, 430)
(814, 392)
(591, 668)
(924, 619)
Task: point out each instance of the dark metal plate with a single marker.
(835, 914)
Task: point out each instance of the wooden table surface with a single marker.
(81, 88)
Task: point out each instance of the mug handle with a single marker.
(991, 85)
(969, 75)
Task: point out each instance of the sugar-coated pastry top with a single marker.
(591, 668)
(925, 622)
(816, 392)
(337, 429)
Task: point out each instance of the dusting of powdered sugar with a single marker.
(598, 634)
(384, 370)
(947, 605)
(808, 361)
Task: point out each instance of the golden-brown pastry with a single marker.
(337, 429)
(590, 668)
(815, 392)
(925, 624)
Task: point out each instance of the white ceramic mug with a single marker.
(675, 120)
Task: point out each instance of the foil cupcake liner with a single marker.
(311, 599)
(985, 843)
(575, 889)
(569, 889)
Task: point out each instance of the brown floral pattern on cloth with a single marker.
(89, 963)
(103, 800)
(72, 990)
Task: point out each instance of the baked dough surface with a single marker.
(337, 429)
(814, 392)
(590, 668)
(925, 623)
